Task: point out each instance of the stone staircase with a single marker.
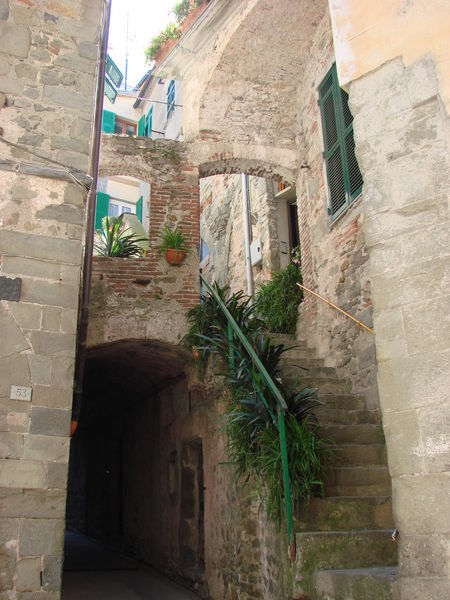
(344, 546)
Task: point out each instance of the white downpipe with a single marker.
(247, 236)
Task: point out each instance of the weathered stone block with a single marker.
(69, 319)
(44, 447)
(37, 246)
(35, 504)
(50, 421)
(423, 555)
(42, 595)
(10, 445)
(22, 474)
(9, 85)
(414, 381)
(30, 266)
(25, 71)
(46, 342)
(434, 423)
(404, 443)
(4, 9)
(66, 98)
(9, 533)
(51, 318)
(424, 330)
(62, 213)
(13, 371)
(10, 288)
(13, 340)
(414, 588)
(14, 421)
(411, 493)
(66, 143)
(52, 574)
(49, 76)
(28, 316)
(53, 294)
(40, 369)
(73, 194)
(73, 159)
(52, 397)
(28, 574)
(41, 536)
(57, 475)
(15, 40)
(63, 371)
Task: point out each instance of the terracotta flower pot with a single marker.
(175, 256)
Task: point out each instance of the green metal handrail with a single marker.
(234, 329)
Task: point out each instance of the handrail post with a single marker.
(231, 343)
(286, 478)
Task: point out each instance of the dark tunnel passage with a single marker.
(135, 476)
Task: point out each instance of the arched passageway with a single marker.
(126, 487)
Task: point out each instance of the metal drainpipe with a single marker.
(83, 314)
(247, 235)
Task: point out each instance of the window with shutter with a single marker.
(170, 98)
(344, 177)
(108, 121)
(101, 208)
(149, 122)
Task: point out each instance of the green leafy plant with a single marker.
(251, 417)
(171, 32)
(279, 298)
(172, 237)
(182, 9)
(113, 241)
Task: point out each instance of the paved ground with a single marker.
(93, 572)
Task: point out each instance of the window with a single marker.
(124, 127)
(170, 98)
(344, 177)
(126, 209)
(113, 210)
(149, 123)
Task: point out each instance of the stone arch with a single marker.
(232, 165)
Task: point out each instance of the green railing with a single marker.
(235, 330)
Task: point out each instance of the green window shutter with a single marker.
(344, 176)
(101, 209)
(141, 126)
(170, 98)
(149, 123)
(108, 121)
(139, 208)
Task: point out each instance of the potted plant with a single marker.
(173, 244)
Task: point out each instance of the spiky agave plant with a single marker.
(113, 241)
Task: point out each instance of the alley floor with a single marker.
(94, 572)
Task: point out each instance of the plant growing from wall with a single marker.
(250, 420)
(278, 299)
(114, 241)
(173, 30)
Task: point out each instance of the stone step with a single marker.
(302, 364)
(359, 454)
(375, 489)
(326, 387)
(345, 513)
(320, 550)
(376, 583)
(352, 434)
(303, 370)
(339, 416)
(342, 401)
(359, 476)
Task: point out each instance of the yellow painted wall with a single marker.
(369, 33)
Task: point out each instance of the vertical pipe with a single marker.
(83, 315)
(247, 236)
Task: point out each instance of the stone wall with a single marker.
(334, 255)
(146, 298)
(48, 57)
(401, 130)
(222, 228)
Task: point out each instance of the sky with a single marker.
(146, 18)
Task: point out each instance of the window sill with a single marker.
(356, 202)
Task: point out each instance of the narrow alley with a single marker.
(95, 572)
